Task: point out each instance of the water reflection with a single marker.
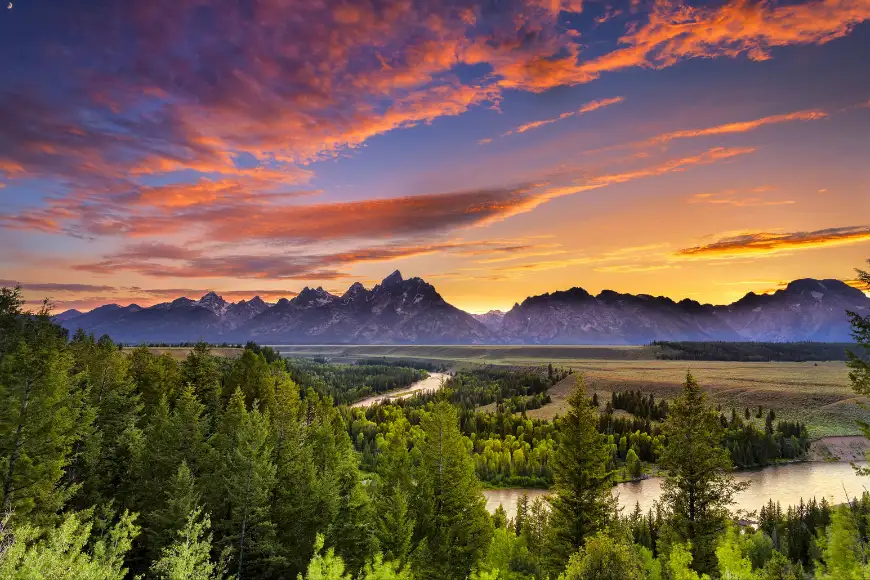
(786, 484)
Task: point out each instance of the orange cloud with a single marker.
(740, 127)
(151, 260)
(736, 199)
(676, 32)
(766, 243)
(587, 108)
(634, 268)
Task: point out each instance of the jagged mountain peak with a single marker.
(393, 279)
(215, 303)
(412, 311)
(354, 290)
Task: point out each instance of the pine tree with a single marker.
(325, 566)
(251, 373)
(293, 501)
(182, 498)
(452, 523)
(200, 370)
(582, 501)
(40, 412)
(843, 551)
(394, 524)
(66, 551)
(698, 488)
(115, 441)
(244, 481)
(605, 557)
(154, 376)
(189, 556)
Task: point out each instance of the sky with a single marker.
(496, 149)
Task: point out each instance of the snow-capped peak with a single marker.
(214, 303)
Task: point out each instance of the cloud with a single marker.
(739, 127)
(369, 219)
(735, 198)
(675, 32)
(187, 263)
(633, 268)
(587, 108)
(767, 243)
(56, 287)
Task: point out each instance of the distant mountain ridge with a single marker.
(400, 311)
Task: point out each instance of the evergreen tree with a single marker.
(582, 502)
(605, 556)
(154, 376)
(698, 488)
(453, 527)
(182, 498)
(252, 375)
(325, 566)
(293, 502)
(40, 411)
(67, 551)
(843, 550)
(244, 481)
(394, 524)
(189, 556)
(200, 370)
(115, 440)
(352, 530)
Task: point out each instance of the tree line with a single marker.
(116, 464)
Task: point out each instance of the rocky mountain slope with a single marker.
(394, 311)
(492, 319)
(412, 312)
(812, 310)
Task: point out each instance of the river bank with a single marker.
(785, 484)
(431, 383)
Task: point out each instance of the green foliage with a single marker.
(394, 522)
(350, 383)
(453, 527)
(750, 351)
(66, 551)
(606, 556)
(698, 488)
(378, 569)
(181, 499)
(115, 440)
(581, 501)
(843, 550)
(244, 479)
(189, 556)
(200, 370)
(507, 558)
(41, 412)
(326, 565)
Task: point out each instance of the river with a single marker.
(786, 484)
(431, 383)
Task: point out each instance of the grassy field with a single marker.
(815, 393)
(498, 354)
(180, 352)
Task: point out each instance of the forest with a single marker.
(752, 351)
(120, 463)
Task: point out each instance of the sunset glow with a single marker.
(150, 150)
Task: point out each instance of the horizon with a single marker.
(338, 293)
(498, 151)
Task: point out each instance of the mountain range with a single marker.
(411, 311)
